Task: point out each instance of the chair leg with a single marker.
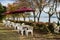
(18, 31)
(32, 33)
(22, 33)
(26, 33)
(14, 28)
(6, 25)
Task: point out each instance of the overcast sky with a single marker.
(5, 2)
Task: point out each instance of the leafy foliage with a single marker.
(2, 10)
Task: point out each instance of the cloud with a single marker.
(5, 2)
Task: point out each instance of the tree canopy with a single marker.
(2, 10)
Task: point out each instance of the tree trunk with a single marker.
(13, 18)
(34, 16)
(58, 22)
(29, 19)
(39, 16)
(49, 24)
(24, 18)
(49, 18)
(38, 19)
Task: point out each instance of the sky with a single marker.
(5, 2)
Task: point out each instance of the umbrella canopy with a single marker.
(23, 9)
(8, 12)
(20, 10)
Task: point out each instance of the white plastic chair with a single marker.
(8, 24)
(13, 25)
(4, 22)
(16, 25)
(30, 29)
(56, 30)
(23, 24)
(16, 19)
(20, 29)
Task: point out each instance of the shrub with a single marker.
(42, 28)
(51, 28)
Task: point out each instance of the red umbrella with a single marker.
(8, 12)
(20, 10)
(23, 9)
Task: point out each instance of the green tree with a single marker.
(2, 10)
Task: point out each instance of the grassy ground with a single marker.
(10, 34)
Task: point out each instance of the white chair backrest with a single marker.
(8, 21)
(20, 28)
(23, 23)
(58, 27)
(13, 24)
(55, 25)
(15, 18)
(18, 19)
(17, 24)
(30, 28)
(4, 21)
